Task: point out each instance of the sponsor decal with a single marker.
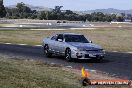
(86, 81)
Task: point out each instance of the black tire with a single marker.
(46, 51)
(99, 59)
(68, 55)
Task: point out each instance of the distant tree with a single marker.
(2, 9)
(9, 12)
(20, 7)
(12, 13)
(33, 14)
(100, 16)
(120, 19)
(42, 15)
(21, 11)
(123, 14)
(108, 18)
(24, 11)
(56, 14)
(113, 16)
(82, 18)
(68, 12)
(57, 9)
(94, 17)
(88, 17)
(129, 16)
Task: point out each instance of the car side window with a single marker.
(54, 37)
(60, 36)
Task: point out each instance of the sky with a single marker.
(77, 5)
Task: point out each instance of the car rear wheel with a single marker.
(46, 51)
(68, 55)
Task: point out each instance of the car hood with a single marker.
(86, 46)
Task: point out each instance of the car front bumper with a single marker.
(88, 55)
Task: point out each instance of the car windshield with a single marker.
(76, 38)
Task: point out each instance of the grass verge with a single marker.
(110, 39)
(34, 74)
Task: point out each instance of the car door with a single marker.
(53, 42)
(59, 44)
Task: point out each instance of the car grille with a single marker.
(94, 51)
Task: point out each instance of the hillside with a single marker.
(109, 11)
(38, 8)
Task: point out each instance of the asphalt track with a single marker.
(115, 63)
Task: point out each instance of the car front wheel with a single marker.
(68, 55)
(46, 51)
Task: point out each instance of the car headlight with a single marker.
(78, 49)
(102, 50)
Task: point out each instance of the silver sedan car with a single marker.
(72, 46)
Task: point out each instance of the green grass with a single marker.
(34, 74)
(110, 39)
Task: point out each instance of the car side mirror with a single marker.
(60, 40)
(90, 42)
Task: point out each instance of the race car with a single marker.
(72, 46)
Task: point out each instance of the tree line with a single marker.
(22, 11)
